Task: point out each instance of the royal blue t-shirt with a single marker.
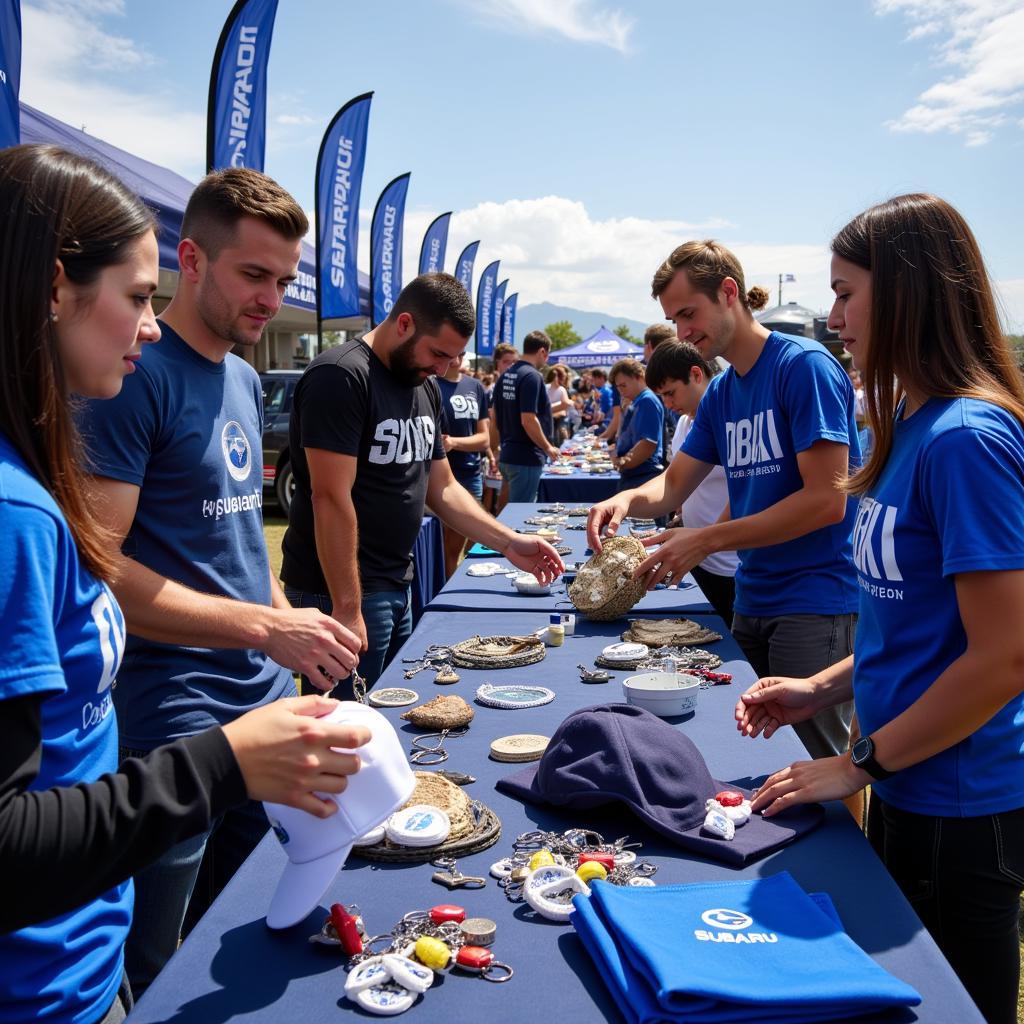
(643, 421)
(62, 637)
(609, 398)
(463, 404)
(950, 500)
(754, 426)
(521, 389)
(188, 433)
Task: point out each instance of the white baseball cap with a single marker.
(317, 848)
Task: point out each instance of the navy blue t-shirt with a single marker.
(521, 389)
(642, 421)
(754, 425)
(950, 500)
(463, 404)
(62, 636)
(188, 432)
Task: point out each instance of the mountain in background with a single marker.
(538, 315)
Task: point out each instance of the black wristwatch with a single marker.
(863, 755)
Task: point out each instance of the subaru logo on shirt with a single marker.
(723, 918)
(236, 450)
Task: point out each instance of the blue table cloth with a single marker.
(428, 562)
(232, 968)
(497, 593)
(578, 486)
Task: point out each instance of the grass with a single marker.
(274, 526)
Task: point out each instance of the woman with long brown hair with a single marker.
(938, 668)
(78, 267)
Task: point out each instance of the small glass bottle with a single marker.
(556, 631)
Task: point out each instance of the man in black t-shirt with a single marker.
(522, 414)
(365, 438)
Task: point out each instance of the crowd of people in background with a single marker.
(813, 505)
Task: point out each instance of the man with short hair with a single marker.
(178, 464)
(464, 436)
(639, 445)
(365, 438)
(605, 394)
(781, 422)
(522, 414)
(653, 337)
(679, 375)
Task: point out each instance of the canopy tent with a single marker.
(166, 193)
(602, 348)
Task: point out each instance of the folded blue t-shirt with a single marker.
(759, 951)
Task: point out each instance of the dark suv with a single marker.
(278, 388)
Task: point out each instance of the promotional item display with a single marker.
(617, 753)
(317, 848)
(724, 952)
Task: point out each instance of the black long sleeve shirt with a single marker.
(61, 847)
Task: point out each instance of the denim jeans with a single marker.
(799, 645)
(173, 892)
(387, 615)
(523, 481)
(963, 877)
(121, 1006)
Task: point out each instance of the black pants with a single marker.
(963, 877)
(719, 590)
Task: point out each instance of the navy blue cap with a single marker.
(619, 753)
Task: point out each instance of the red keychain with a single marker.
(606, 860)
(347, 929)
(447, 912)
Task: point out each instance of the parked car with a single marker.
(278, 388)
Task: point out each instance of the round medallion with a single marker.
(510, 696)
(519, 748)
(393, 697)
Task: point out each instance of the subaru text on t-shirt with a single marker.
(795, 394)
(521, 389)
(63, 635)
(349, 402)
(950, 500)
(463, 404)
(187, 432)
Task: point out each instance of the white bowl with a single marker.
(527, 584)
(665, 694)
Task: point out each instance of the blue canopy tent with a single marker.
(166, 193)
(602, 348)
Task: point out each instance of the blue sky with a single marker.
(583, 139)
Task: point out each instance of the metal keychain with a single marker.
(433, 753)
(452, 878)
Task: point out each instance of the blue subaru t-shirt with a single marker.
(521, 389)
(643, 421)
(609, 399)
(62, 636)
(754, 425)
(188, 433)
(463, 404)
(950, 500)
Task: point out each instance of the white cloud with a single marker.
(1010, 294)
(64, 48)
(582, 21)
(551, 249)
(293, 119)
(981, 42)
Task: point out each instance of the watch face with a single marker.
(862, 750)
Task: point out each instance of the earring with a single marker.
(53, 317)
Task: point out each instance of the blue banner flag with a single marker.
(10, 72)
(499, 301)
(386, 247)
(339, 178)
(236, 117)
(435, 242)
(464, 268)
(508, 319)
(484, 345)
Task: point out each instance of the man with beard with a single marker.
(367, 457)
(178, 467)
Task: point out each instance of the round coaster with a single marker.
(419, 825)
(519, 748)
(625, 652)
(392, 697)
(371, 838)
(510, 696)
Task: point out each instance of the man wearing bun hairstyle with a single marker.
(781, 422)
